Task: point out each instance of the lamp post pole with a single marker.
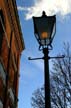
(46, 78)
(46, 74)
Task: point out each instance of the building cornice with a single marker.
(18, 22)
(17, 19)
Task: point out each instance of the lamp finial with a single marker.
(43, 13)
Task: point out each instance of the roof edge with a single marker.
(18, 23)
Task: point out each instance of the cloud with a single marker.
(20, 8)
(61, 7)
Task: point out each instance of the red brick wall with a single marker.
(16, 48)
(4, 52)
(2, 88)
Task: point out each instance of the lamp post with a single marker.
(44, 30)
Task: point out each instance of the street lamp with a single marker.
(44, 30)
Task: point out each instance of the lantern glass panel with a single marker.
(44, 28)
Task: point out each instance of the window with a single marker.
(2, 22)
(1, 104)
(1, 27)
(1, 38)
(2, 74)
(11, 94)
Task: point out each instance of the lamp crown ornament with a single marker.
(43, 13)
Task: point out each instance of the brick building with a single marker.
(11, 46)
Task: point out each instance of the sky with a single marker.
(32, 72)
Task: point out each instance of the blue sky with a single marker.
(32, 72)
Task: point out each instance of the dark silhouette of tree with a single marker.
(38, 99)
(60, 83)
